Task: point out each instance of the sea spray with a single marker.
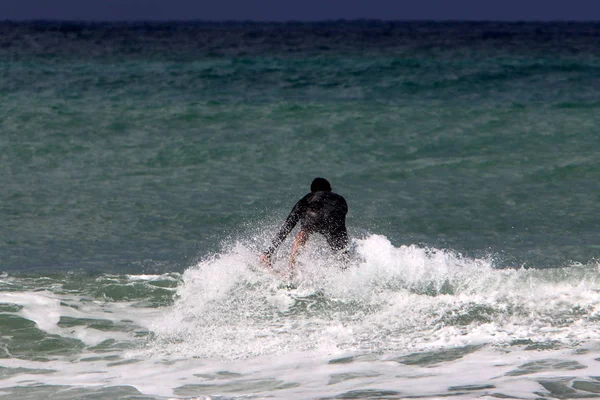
(388, 299)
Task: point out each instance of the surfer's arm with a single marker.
(290, 222)
(344, 206)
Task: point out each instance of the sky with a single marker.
(300, 10)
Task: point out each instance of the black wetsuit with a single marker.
(322, 212)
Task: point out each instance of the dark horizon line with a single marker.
(293, 21)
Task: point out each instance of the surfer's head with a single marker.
(320, 185)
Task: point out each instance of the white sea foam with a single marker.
(301, 375)
(46, 308)
(389, 298)
(410, 320)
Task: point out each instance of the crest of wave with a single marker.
(384, 298)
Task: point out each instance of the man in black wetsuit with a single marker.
(320, 211)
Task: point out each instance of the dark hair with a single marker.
(320, 185)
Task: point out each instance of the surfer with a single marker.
(320, 211)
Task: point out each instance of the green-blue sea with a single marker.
(145, 166)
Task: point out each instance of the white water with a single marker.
(392, 299)
(238, 330)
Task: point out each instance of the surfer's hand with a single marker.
(265, 259)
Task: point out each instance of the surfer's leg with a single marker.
(299, 242)
(338, 241)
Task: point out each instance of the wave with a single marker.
(388, 298)
(364, 327)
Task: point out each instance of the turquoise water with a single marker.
(144, 166)
(141, 149)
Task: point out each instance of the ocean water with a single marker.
(145, 166)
